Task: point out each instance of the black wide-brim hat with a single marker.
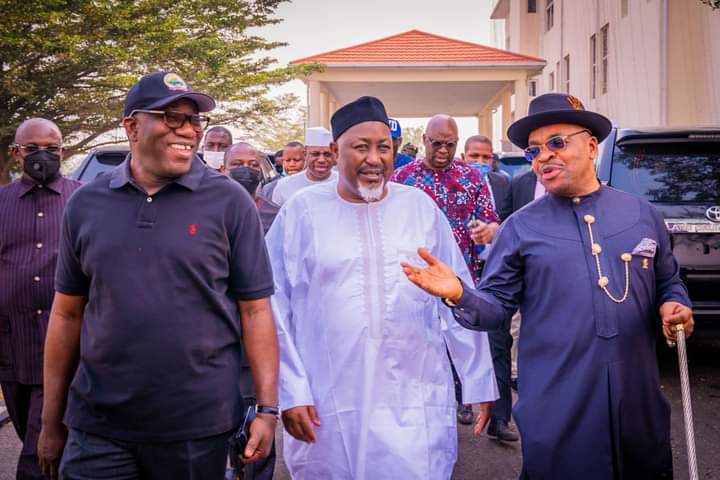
(552, 108)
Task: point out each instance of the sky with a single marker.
(316, 26)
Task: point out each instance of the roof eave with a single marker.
(501, 10)
(433, 66)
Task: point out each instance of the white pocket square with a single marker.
(646, 248)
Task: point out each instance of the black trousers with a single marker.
(24, 404)
(91, 457)
(500, 343)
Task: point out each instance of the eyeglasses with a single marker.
(176, 120)
(554, 144)
(32, 148)
(437, 144)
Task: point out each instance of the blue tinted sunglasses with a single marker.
(554, 144)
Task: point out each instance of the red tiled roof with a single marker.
(416, 47)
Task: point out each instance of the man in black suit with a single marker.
(524, 188)
(478, 154)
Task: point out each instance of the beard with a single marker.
(371, 194)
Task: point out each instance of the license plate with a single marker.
(692, 226)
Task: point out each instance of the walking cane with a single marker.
(686, 402)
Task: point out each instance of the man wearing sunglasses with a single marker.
(30, 220)
(464, 198)
(158, 260)
(592, 270)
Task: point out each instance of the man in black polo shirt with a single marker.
(158, 259)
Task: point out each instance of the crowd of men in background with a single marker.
(130, 306)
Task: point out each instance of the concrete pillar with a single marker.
(488, 132)
(324, 107)
(483, 126)
(506, 113)
(521, 98)
(314, 117)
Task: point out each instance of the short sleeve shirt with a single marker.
(160, 342)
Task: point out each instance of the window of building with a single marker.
(593, 66)
(532, 88)
(624, 8)
(549, 15)
(551, 82)
(604, 49)
(532, 6)
(566, 73)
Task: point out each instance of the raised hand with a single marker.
(437, 279)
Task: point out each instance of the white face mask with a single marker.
(214, 160)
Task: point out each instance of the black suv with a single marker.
(106, 158)
(98, 161)
(678, 170)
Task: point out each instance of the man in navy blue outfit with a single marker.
(592, 270)
(158, 260)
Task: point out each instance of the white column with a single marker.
(489, 123)
(521, 98)
(324, 106)
(506, 113)
(314, 108)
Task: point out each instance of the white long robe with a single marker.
(363, 344)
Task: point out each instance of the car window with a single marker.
(102, 162)
(668, 172)
(514, 165)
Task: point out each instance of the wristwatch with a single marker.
(267, 409)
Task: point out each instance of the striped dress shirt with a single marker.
(30, 221)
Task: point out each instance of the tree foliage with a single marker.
(72, 61)
(413, 135)
(273, 132)
(714, 4)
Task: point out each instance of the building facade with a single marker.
(639, 62)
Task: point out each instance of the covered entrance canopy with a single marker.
(418, 74)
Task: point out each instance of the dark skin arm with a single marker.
(261, 346)
(62, 351)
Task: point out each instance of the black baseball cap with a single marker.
(551, 108)
(159, 89)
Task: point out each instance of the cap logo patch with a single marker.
(174, 83)
(575, 103)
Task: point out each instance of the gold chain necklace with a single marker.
(603, 281)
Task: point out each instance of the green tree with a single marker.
(273, 132)
(413, 135)
(72, 61)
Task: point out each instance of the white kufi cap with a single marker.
(318, 137)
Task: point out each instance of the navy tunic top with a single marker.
(160, 341)
(590, 404)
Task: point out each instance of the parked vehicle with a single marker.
(106, 158)
(512, 163)
(100, 160)
(678, 170)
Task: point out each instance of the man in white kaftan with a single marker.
(362, 350)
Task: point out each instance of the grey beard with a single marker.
(371, 194)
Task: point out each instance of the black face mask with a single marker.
(42, 166)
(247, 177)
